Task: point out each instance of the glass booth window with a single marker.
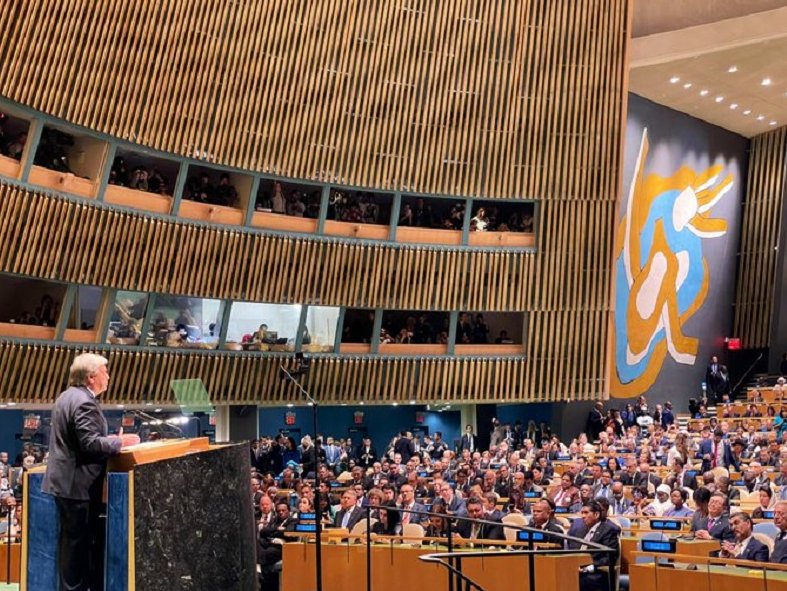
(357, 326)
(126, 317)
(319, 334)
(191, 323)
(30, 301)
(13, 135)
(85, 308)
(263, 327)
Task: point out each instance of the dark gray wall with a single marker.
(678, 140)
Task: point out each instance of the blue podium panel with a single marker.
(116, 572)
(42, 529)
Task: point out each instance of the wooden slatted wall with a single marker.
(37, 373)
(470, 98)
(504, 98)
(762, 214)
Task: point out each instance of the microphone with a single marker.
(159, 423)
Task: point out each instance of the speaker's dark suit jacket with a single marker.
(779, 554)
(78, 447)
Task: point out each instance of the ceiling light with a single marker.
(121, 406)
(687, 85)
(732, 69)
(395, 404)
(157, 410)
(773, 123)
(719, 99)
(412, 402)
(703, 92)
(766, 82)
(674, 80)
(760, 117)
(289, 405)
(747, 112)
(734, 106)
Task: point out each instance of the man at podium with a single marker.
(78, 451)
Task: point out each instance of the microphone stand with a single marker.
(317, 507)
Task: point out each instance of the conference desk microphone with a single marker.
(156, 422)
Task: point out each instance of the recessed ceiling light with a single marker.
(687, 85)
(412, 402)
(289, 405)
(732, 69)
(766, 82)
(674, 80)
(760, 117)
(12, 404)
(703, 92)
(395, 404)
(773, 123)
(719, 99)
(747, 112)
(734, 106)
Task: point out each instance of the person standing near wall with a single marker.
(78, 451)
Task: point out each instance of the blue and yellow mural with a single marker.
(662, 277)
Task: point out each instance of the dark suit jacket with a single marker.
(641, 479)
(355, 516)
(706, 448)
(405, 448)
(721, 530)
(465, 444)
(755, 550)
(779, 554)
(487, 531)
(608, 535)
(78, 447)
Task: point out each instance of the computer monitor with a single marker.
(666, 524)
(663, 546)
(528, 536)
(767, 514)
(561, 510)
(532, 495)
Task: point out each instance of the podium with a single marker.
(179, 516)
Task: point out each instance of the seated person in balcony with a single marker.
(200, 189)
(404, 337)
(464, 329)
(278, 203)
(139, 179)
(118, 175)
(158, 183)
(295, 206)
(14, 149)
(422, 214)
(385, 337)
(479, 222)
(406, 218)
(503, 338)
(225, 192)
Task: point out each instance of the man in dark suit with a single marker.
(407, 493)
(645, 476)
(478, 531)
(779, 554)
(365, 453)
(715, 452)
(404, 447)
(543, 519)
(595, 422)
(717, 524)
(745, 546)
(468, 440)
(78, 452)
(350, 513)
(596, 577)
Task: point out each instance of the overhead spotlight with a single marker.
(732, 69)
(704, 92)
(734, 106)
(412, 402)
(674, 80)
(760, 117)
(747, 112)
(766, 82)
(772, 123)
(719, 99)
(687, 85)
(12, 404)
(290, 405)
(395, 404)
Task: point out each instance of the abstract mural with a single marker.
(662, 277)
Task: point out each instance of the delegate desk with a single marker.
(710, 574)
(16, 553)
(396, 567)
(629, 547)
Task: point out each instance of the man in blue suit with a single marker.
(745, 546)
